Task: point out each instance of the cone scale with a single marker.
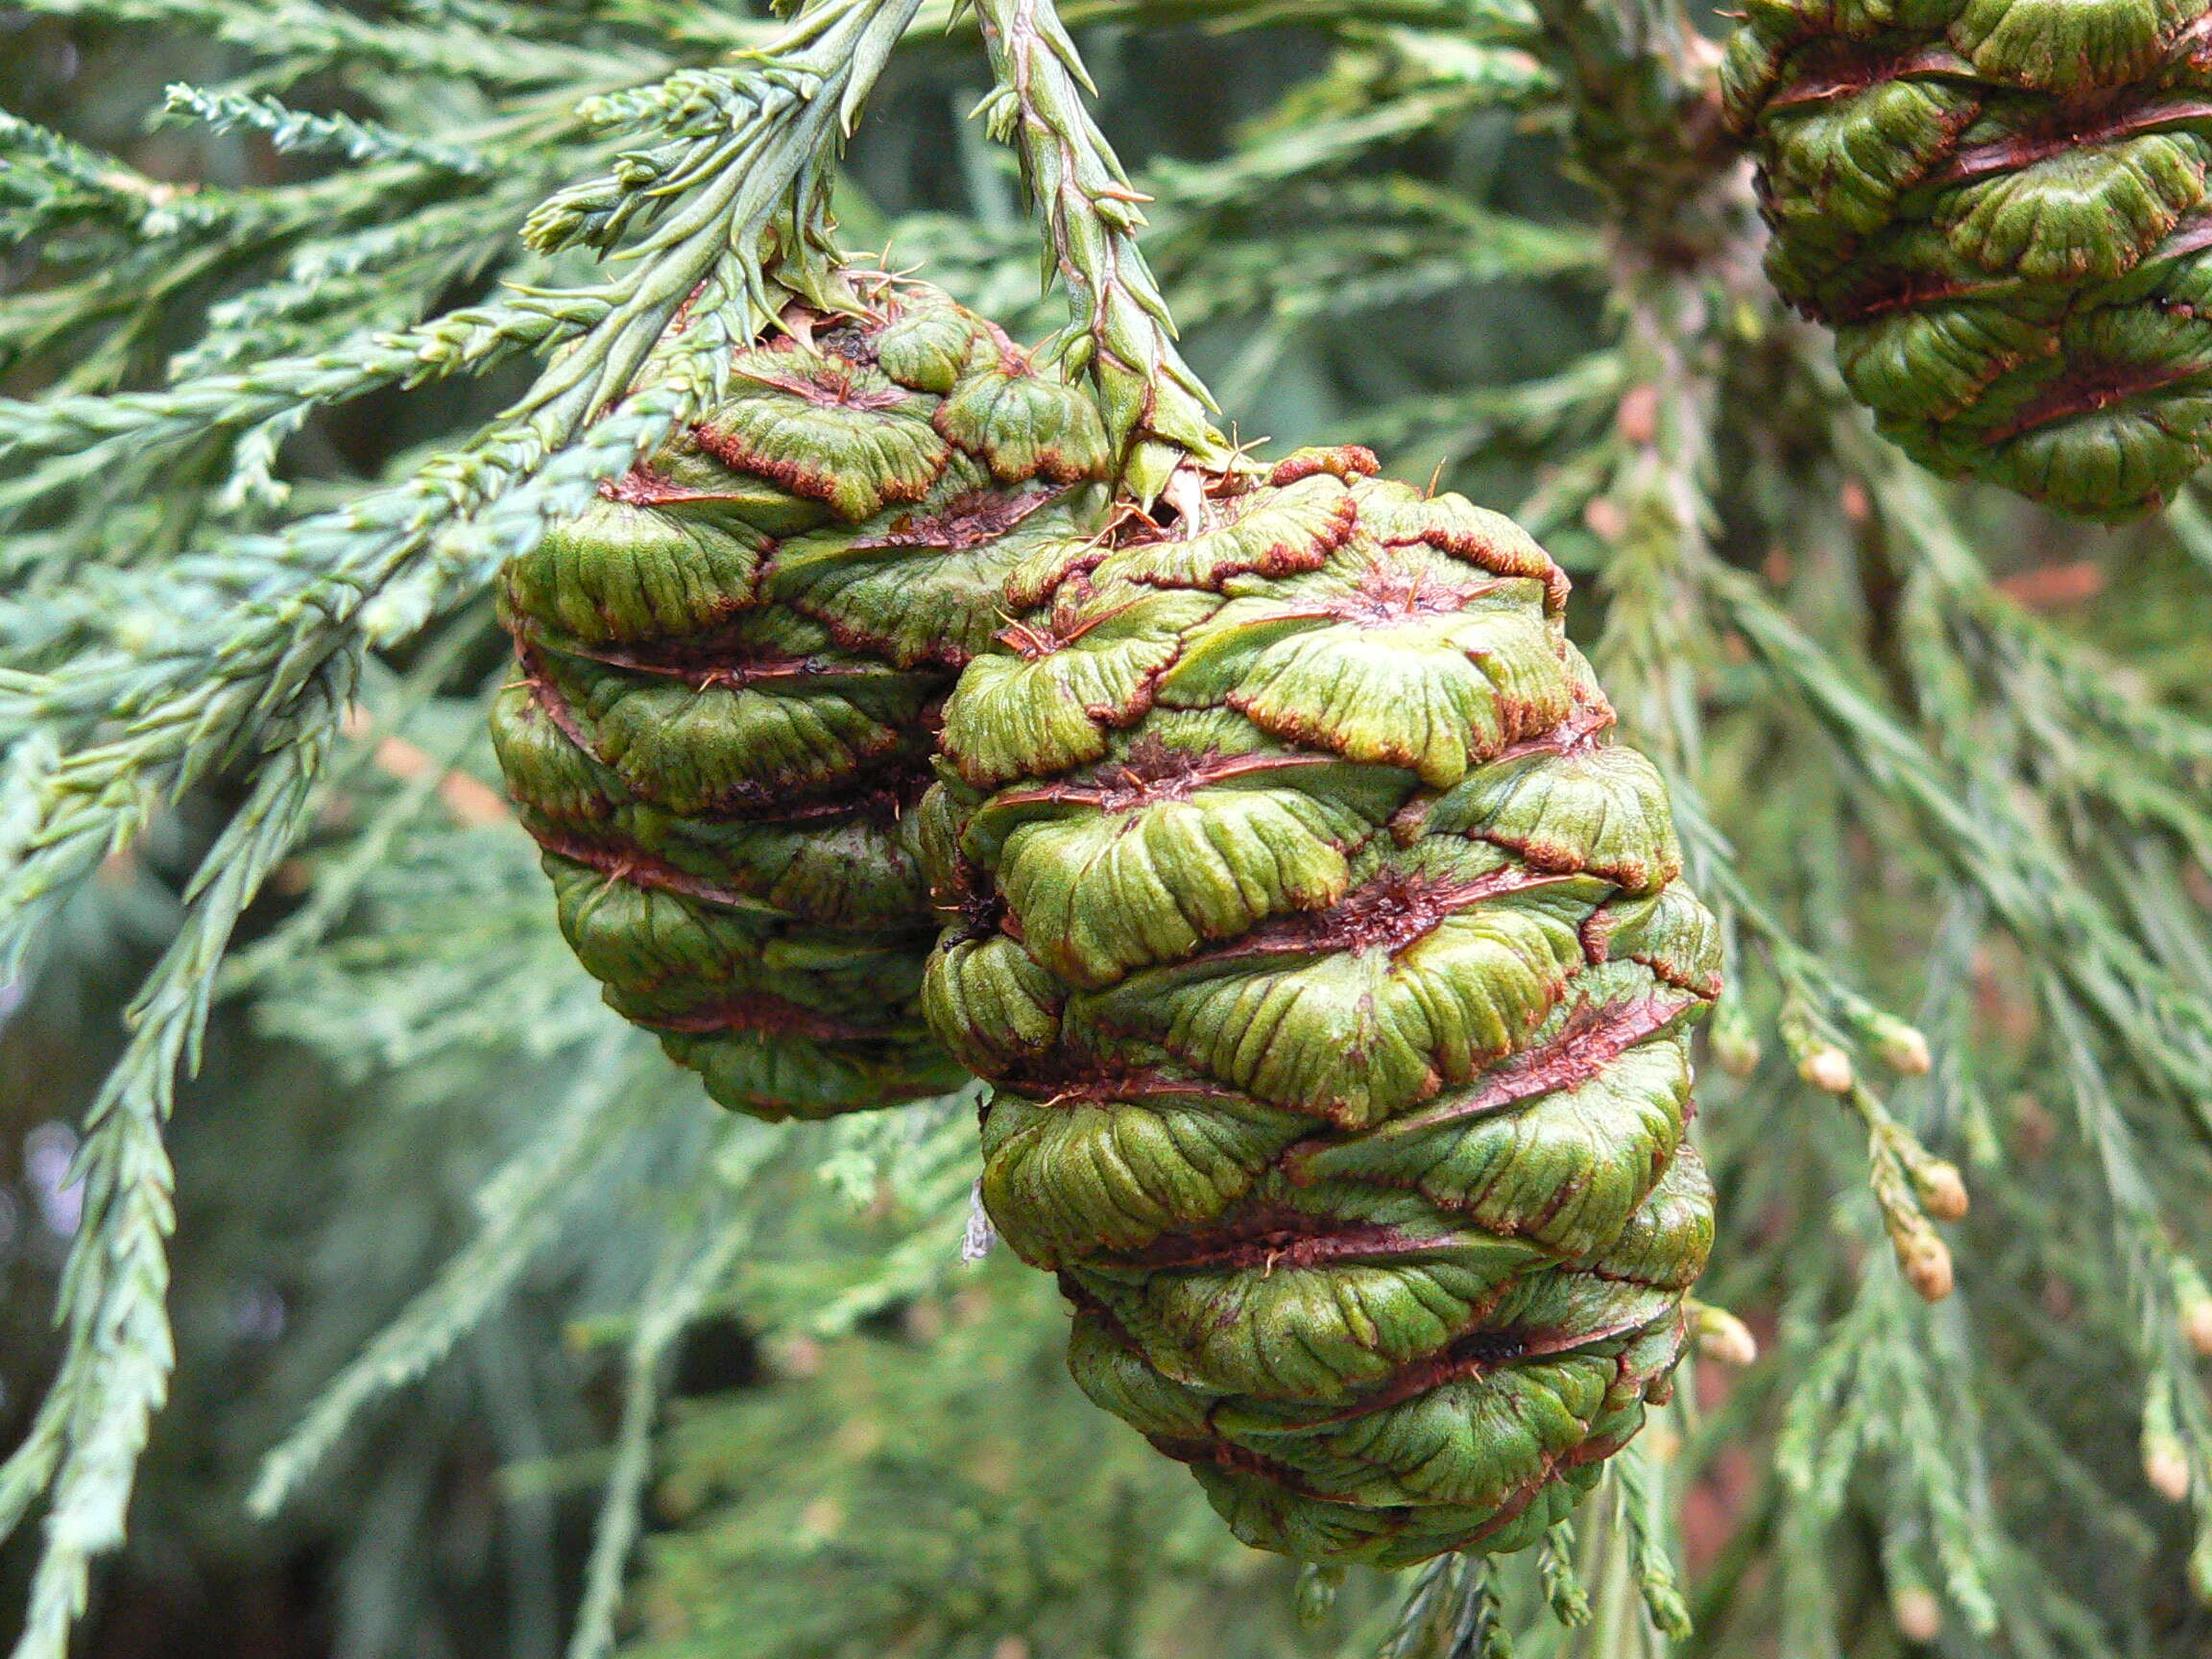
(1335, 981)
(2001, 207)
(731, 672)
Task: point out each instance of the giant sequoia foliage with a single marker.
(412, 1301)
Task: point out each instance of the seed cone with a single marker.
(2000, 208)
(732, 668)
(1334, 977)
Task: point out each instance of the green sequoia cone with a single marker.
(731, 673)
(1335, 983)
(2001, 207)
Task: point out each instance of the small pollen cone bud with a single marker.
(2165, 1466)
(1638, 417)
(799, 1358)
(1904, 1048)
(1927, 1263)
(1606, 518)
(1942, 1189)
(1735, 1043)
(1917, 1612)
(1828, 1067)
(1316, 1592)
(2197, 1325)
(1736, 1053)
(1724, 1338)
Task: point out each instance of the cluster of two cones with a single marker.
(1327, 960)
